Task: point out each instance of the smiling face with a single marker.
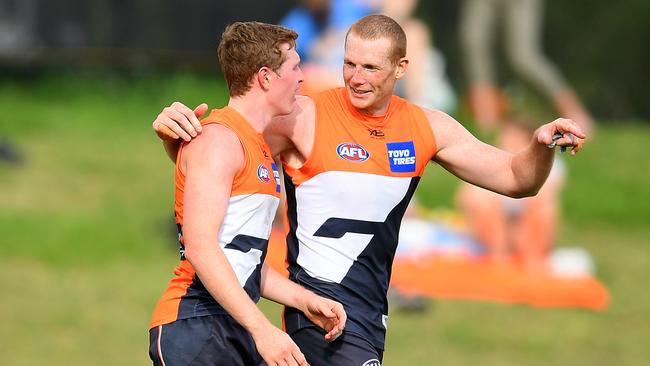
(285, 81)
(369, 74)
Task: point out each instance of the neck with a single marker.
(248, 106)
(375, 111)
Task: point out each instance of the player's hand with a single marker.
(561, 132)
(179, 121)
(277, 348)
(325, 313)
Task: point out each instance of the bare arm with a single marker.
(290, 135)
(516, 175)
(210, 163)
(327, 314)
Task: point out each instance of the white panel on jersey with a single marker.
(348, 195)
(250, 214)
(243, 263)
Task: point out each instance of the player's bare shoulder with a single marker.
(216, 144)
(213, 132)
(444, 127)
(437, 117)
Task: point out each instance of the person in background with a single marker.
(522, 23)
(522, 229)
(309, 20)
(426, 83)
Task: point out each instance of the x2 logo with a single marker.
(379, 134)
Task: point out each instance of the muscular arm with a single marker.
(210, 164)
(516, 175)
(171, 148)
(327, 314)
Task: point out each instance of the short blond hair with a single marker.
(377, 26)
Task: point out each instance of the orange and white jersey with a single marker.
(245, 230)
(346, 203)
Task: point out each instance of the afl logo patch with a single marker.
(263, 174)
(352, 152)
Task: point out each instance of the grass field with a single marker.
(88, 245)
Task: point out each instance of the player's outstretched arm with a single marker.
(325, 313)
(178, 122)
(516, 175)
(532, 165)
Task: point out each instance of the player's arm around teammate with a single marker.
(516, 175)
(295, 131)
(178, 123)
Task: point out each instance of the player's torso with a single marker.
(246, 227)
(347, 201)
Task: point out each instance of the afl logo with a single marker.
(263, 174)
(373, 362)
(352, 152)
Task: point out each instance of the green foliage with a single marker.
(88, 243)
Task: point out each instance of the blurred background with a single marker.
(86, 192)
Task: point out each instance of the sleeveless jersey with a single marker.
(244, 232)
(346, 203)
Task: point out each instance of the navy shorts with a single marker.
(215, 340)
(349, 349)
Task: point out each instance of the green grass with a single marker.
(88, 245)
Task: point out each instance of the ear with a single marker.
(264, 77)
(402, 66)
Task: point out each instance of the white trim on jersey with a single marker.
(244, 217)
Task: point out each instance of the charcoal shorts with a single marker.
(216, 340)
(349, 349)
